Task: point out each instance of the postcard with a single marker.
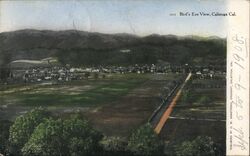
(133, 78)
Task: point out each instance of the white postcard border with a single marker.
(238, 79)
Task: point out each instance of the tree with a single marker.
(4, 135)
(96, 75)
(201, 146)
(86, 75)
(73, 137)
(144, 141)
(83, 139)
(187, 95)
(205, 100)
(23, 127)
(46, 140)
(114, 145)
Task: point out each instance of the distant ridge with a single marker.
(78, 45)
(117, 34)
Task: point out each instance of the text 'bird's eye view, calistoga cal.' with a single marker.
(124, 78)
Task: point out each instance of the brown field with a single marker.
(129, 112)
(190, 119)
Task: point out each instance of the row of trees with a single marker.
(37, 133)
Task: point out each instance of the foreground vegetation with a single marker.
(40, 133)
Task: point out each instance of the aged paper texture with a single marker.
(109, 77)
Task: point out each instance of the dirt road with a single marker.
(169, 110)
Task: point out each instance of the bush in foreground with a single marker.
(114, 145)
(145, 141)
(201, 146)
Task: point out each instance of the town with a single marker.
(55, 73)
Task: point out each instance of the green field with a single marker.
(78, 93)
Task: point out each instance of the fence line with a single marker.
(156, 111)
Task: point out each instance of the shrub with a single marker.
(187, 95)
(145, 141)
(113, 145)
(204, 100)
(201, 146)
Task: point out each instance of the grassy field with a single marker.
(116, 104)
(79, 93)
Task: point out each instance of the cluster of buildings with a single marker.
(209, 74)
(60, 73)
(26, 71)
(38, 74)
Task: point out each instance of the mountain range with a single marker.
(92, 48)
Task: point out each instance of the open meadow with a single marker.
(115, 104)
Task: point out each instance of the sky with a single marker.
(113, 16)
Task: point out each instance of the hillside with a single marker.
(87, 48)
